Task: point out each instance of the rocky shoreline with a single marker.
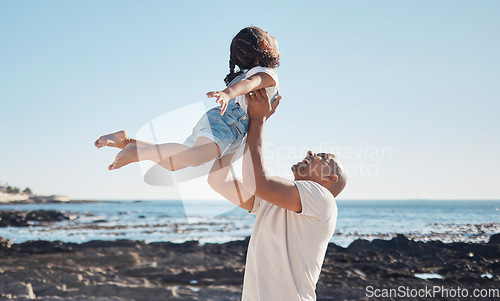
(44, 200)
(135, 270)
(23, 218)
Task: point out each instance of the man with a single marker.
(295, 219)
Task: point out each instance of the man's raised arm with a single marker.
(280, 192)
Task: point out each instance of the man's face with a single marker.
(314, 167)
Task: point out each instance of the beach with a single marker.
(89, 251)
(135, 270)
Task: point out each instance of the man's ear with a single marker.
(331, 178)
(265, 45)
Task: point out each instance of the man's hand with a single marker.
(222, 98)
(277, 191)
(259, 106)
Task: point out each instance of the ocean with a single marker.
(219, 221)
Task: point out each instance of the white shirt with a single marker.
(242, 100)
(287, 249)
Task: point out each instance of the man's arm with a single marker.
(222, 180)
(280, 192)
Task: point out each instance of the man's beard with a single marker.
(297, 168)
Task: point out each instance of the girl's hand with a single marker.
(222, 98)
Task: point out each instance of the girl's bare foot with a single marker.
(127, 155)
(119, 139)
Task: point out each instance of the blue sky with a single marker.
(406, 91)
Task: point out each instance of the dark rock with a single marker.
(120, 243)
(433, 245)
(494, 239)
(449, 269)
(360, 246)
(400, 242)
(5, 243)
(221, 275)
(130, 292)
(13, 219)
(49, 290)
(41, 247)
(334, 248)
(186, 247)
(230, 248)
(401, 245)
(486, 250)
(495, 267)
(21, 218)
(135, 270)
(17, 289)
(46, 216)
(97, 221)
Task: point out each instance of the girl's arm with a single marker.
(255, 82)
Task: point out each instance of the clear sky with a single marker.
(406, 92)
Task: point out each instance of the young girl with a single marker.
(221, 130)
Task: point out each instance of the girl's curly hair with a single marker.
(246, 53)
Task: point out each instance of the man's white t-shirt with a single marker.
(287, 249)
(271, 91)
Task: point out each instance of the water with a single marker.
(426, 276)
(219, 221)
(464, 220)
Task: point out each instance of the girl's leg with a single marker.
(121, 139)
(176, 154)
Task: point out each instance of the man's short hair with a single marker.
(338, 169)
